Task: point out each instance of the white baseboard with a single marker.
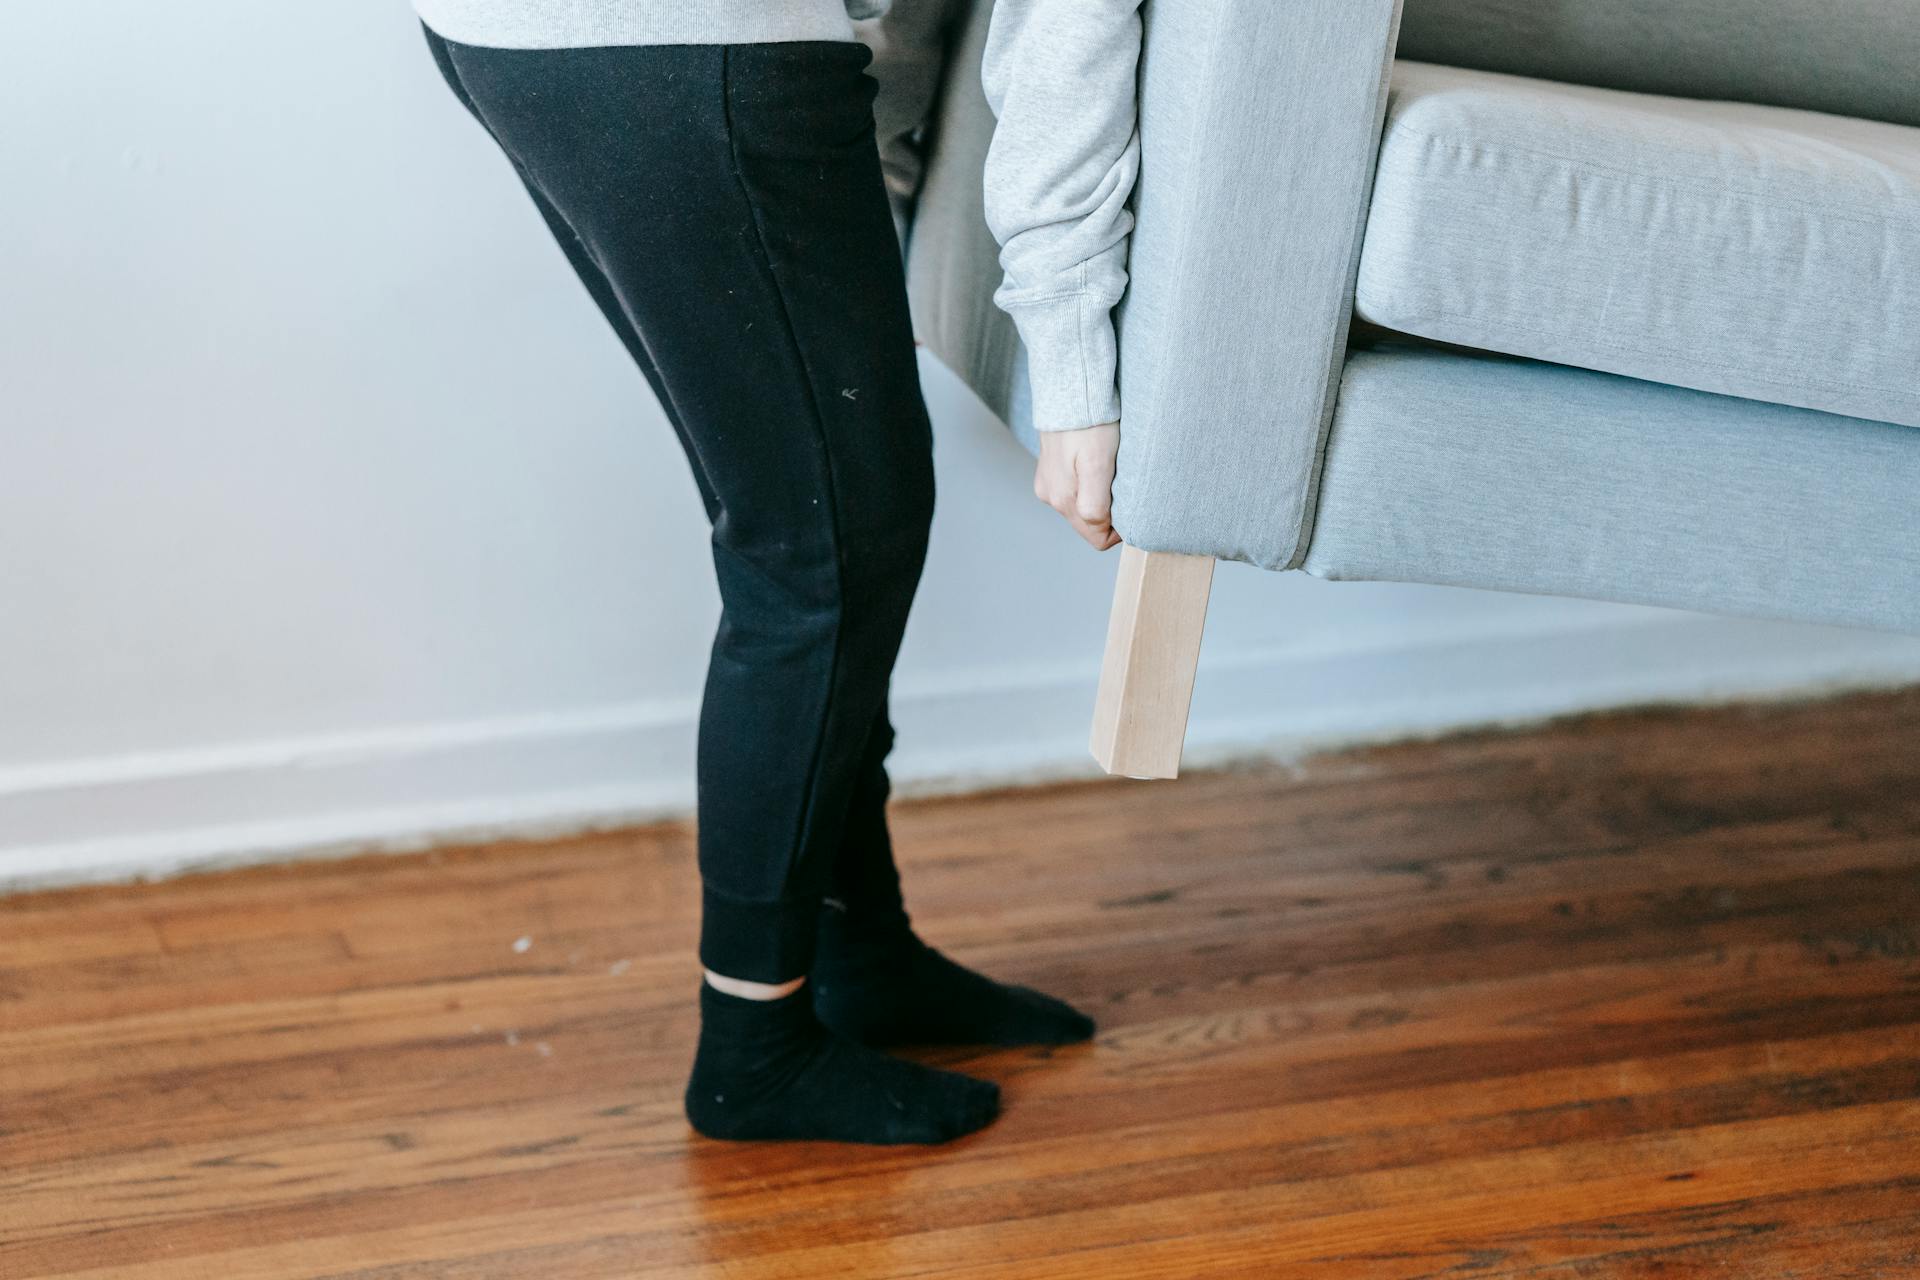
(158, 814)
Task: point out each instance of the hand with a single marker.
(1075, 478)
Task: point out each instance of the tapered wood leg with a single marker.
(1153, 649)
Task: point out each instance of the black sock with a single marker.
(768, 1069)
(874, 981)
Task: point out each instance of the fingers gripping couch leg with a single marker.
(1153, 648)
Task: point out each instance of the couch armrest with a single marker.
(953, 264)
(1259, 122)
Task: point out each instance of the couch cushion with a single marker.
(1751, 251)
(1853, 57)
(1484, 471)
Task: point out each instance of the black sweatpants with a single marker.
(724, 207)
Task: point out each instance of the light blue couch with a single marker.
(1605, 298)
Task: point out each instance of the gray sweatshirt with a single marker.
(578, 24)
(1059, 75)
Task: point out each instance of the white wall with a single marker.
(330, 512)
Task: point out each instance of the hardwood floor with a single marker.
(1634, 996)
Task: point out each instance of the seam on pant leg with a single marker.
(765, 263)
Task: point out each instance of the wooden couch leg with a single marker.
(1153, 648)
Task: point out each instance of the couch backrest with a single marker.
(1848, 57)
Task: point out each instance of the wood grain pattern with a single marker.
(1633, 996)
(1152, 656)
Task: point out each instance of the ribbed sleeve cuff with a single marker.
(1070, 361)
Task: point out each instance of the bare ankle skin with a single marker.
(753, 990)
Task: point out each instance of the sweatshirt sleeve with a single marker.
(1061, 78)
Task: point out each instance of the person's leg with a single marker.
(730, 199)
(865, 880)
(598, 286)
(875, 981)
